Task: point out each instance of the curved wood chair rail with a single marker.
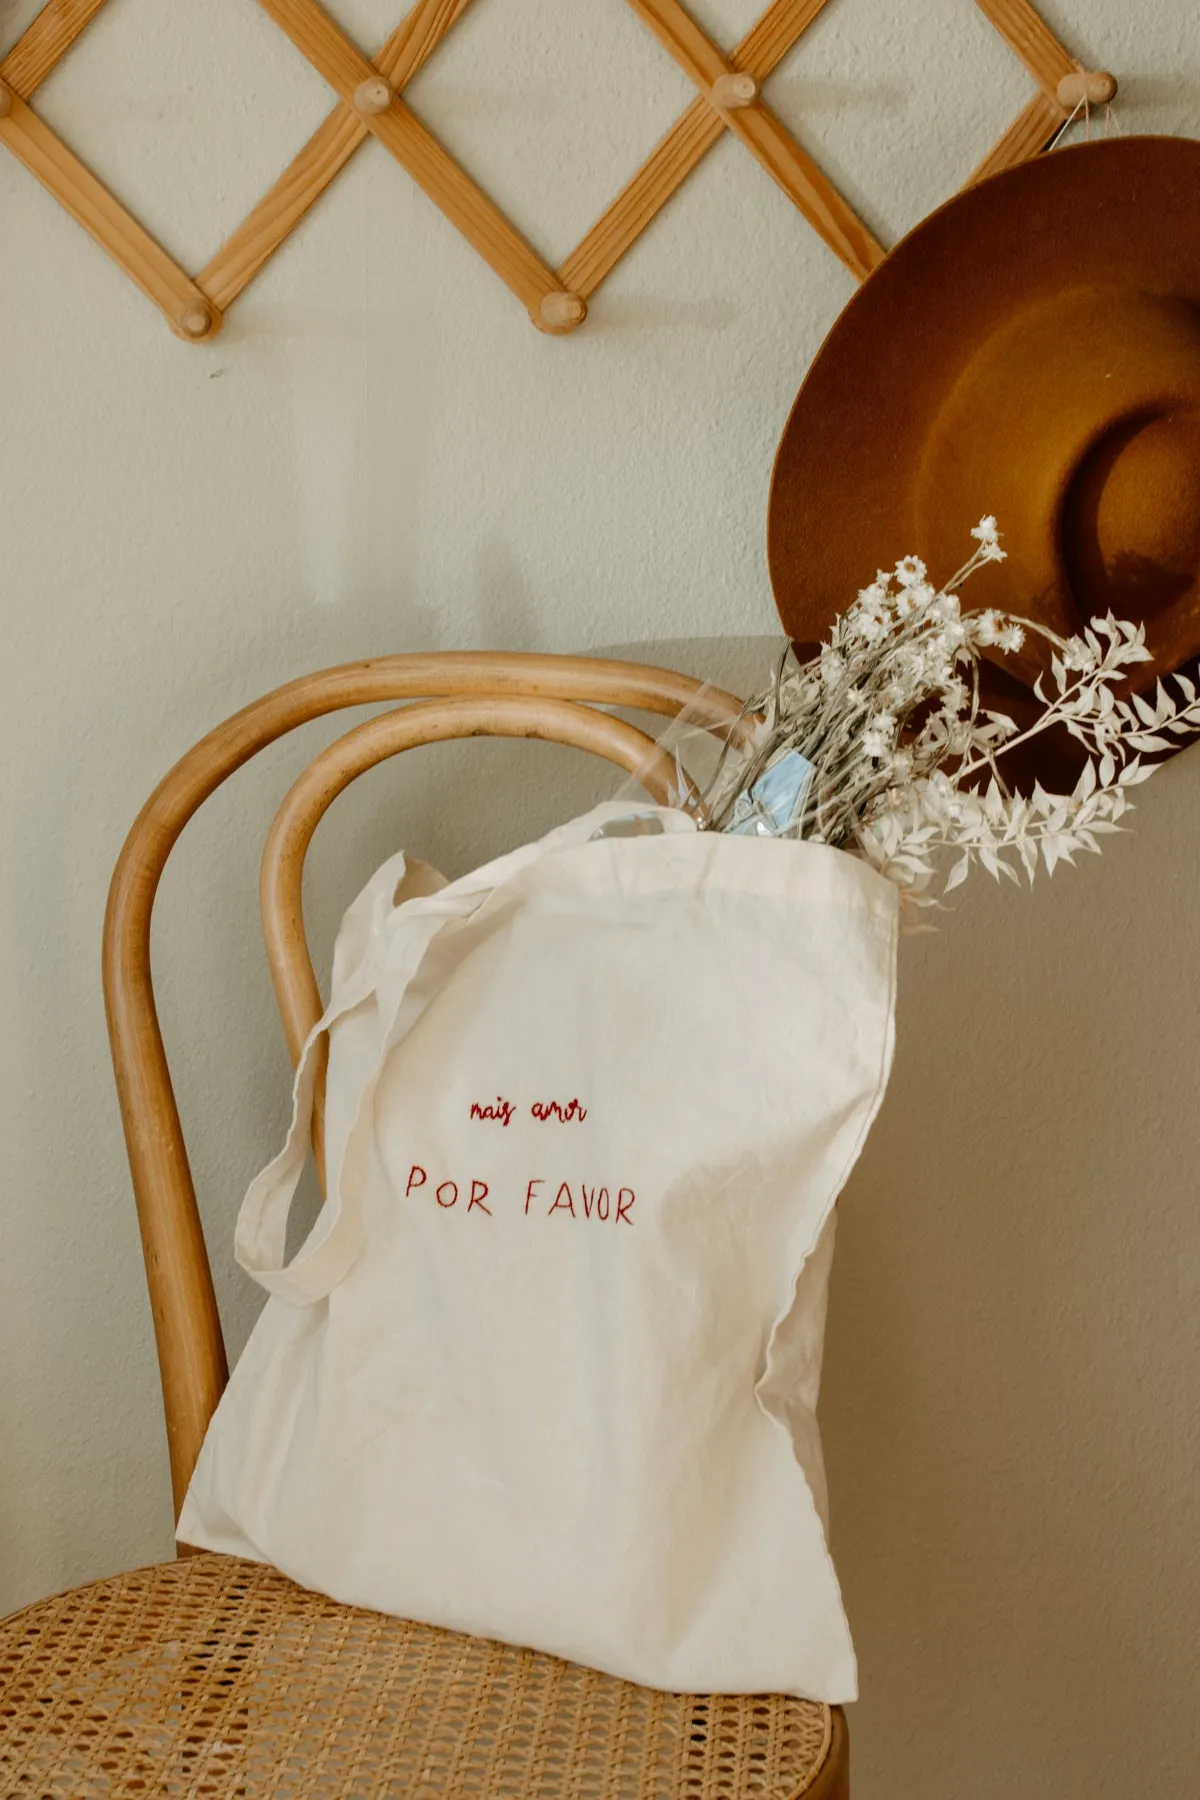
(493, 694)
(421, 722)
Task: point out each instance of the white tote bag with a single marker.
(546, 1368)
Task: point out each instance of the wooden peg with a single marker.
(561, 312)
(1096, 87)
(731, 91)
(197, 321)
(6, 99)
(373, 96)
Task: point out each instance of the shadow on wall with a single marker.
(1009, 1408)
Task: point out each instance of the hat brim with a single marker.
(843, 499)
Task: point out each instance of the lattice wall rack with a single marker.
(369, 103)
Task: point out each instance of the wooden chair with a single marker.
(210, 1676)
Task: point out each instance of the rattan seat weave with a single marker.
(214, 1677)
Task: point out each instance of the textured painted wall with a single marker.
(380, 454)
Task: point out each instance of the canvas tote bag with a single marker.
(546, 1368)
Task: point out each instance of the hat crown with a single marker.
(1131, 534)
(1077, 422)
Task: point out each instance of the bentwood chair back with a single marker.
(215, 1677)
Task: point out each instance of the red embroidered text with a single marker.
(447, 1192)
(503, 1110)
(592, 1202)
(543, 1197)
(557, 1109)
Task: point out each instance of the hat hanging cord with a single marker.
(1084, 105)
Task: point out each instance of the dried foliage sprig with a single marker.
(880, 744)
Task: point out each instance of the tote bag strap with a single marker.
(335, 1240)
(399, 940)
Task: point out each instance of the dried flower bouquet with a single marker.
(880, 745)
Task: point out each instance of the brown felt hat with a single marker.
(1031, 350)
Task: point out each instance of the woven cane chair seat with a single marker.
(211, 1677)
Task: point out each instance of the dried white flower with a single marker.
(905, 764)
(833, 666)
(910, 571)
(1077, 655)
(870, 626)
(989, 540)
(876, 595)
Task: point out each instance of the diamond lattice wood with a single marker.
(370, 103)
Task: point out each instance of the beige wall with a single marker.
(380, 454)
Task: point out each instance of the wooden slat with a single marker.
(1027, 136)
(38, 49)
(619, 228)
(90, 202)
(431, 166)
(766, 44)
(282, 207)
(466, 205)
(685, 145)
(417, 37)
(1032, 40)
(756, 126)
(809, 188)
(683, 39)
(326, 153)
